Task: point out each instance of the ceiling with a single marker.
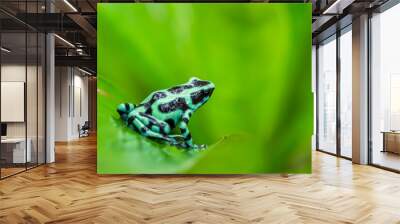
(75, 22)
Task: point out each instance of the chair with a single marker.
(84, 129)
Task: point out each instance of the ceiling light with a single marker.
(338, 6)
(70, 5)
(326, 11)
(79, 51)
(65, 41)
(84, 71)
(5, 50)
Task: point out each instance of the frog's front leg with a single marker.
(143, 125)
(124, 109)
(187, 136)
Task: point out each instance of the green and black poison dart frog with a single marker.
(163, 110)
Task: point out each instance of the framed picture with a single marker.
(204, 88)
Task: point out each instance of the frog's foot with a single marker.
(192, 147)
(202, 146)
(124, 109)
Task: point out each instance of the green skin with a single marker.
(163, 110)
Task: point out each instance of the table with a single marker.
(391, 141)
(17, 150)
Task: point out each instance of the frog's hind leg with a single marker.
(154, 124)
(135, 123)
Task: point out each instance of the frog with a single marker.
(164, 110)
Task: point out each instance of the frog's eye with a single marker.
(193, 79)
(199, 83)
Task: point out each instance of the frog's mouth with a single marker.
(208, 92)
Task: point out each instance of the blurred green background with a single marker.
(259, 119)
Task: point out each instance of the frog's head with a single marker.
(124, 109)
(200, 92)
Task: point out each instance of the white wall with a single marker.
(80, 102)
(62, 82)
(14, 72)
(71, 102)
(17, 72)
(33, 126)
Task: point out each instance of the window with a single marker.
(314, 90)
(22, 77)
(385, 89)
(327, 96)
(346, 93)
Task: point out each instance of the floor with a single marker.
(5, 172)
(10, 171)
(70, 191)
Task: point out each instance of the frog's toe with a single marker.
(203, 146)
(199, 147)
(124, 109)
(184, 145)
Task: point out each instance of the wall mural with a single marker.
(204, 88)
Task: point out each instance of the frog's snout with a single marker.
(212, 88)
